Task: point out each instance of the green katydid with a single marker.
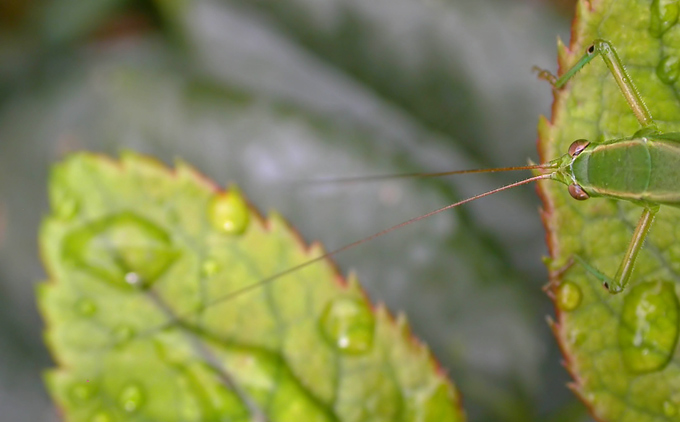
(639, 169)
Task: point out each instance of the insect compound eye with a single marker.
(577, 147)
(606, 285)
(577, 192)
(591, 49)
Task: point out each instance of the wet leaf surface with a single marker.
(150, 316)
(621, 349)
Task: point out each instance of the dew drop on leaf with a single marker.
(132, 278)
(131, 397)
(668, 69)
(120, 249)
(648, 328)
(568, 296)
(664, 14)
(348, 325)
(229, 213)
(86, 307)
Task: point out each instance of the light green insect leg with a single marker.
(620, 280)
(592, 270)
(626, 267)
(605, 50)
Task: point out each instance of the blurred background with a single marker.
(271, 94)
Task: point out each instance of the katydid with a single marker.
(641, 169)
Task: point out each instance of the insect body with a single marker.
(642, 168)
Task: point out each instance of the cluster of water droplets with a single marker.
(124, 249)
(128, 250)
(129, 399)
(648, 324)
(133, 253)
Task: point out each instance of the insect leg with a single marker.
(605, 50)
(626, 267)
(620, 280)
(605, 280)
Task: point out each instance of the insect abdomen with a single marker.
(665, 172)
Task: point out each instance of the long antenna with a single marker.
(271, 278)
(425, 175)
(290, 270)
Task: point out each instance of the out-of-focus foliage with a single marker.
(271, 93)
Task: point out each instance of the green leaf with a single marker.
(620, 349)
(151, 315)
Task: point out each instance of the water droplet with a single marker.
(348, 324)
(568, 296)
(664, 14)
(131, 397)
(101, 416)
(648, 328)
(120, 249)
(81, 391)
(132, 278)
(228, 212)
(669, 409)
(123, 333)
(210, 267)
(86, 307)
(668, 69)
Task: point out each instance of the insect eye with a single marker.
(577, 147)
(577, 192)
(591, 49)
(606, 285)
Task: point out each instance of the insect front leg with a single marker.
(605, 50)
